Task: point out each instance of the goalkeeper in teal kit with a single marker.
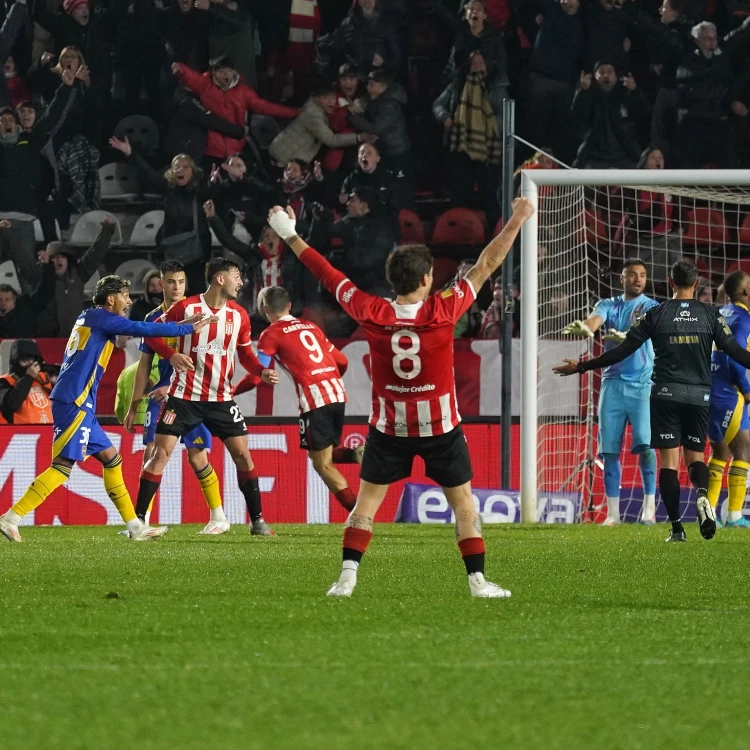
(77, 433)
(626, 389)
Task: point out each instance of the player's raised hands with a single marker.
(569, 368)
(523, 208)
(181, 362)
(283, 222)
(579, 329)
(271, 377)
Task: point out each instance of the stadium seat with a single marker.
(119, 181)
(90, 286)
(744, 233)
(141, 131)
(8, 275)
(705, 226)
(134, 270)
(145, 229)
(214, 239)
(264, 130)
(39, 234)
(738, 265)
(443, 270)
(498, 227)
(458, 226)
(411, 227)
(88, 226)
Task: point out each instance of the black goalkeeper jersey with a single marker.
(683, 333)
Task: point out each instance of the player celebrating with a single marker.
(682, 331)
(316, 366)
(197, 441)
(414, 410)
(728, 423)
(77, 433)
(203, 394)
(625, 391)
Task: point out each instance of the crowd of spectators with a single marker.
(366, 107)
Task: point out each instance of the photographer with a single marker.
(24, 391)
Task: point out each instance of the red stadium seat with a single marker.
(411, 227)
(739, 265)
(458, 226)
(443, 270)
(498, 227)
(744, 235)
(705, 226)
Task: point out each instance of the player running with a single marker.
(683, 332)
(626, 389)
(202, 393)
(197, 441)
(728, 423)
(414, 411)
(316, 367)
(77, 433)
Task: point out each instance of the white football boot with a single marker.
(9, 530)
(215, 528)
(345, 585)
(482, 589)
(147, 533)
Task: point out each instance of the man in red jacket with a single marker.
(223, 93)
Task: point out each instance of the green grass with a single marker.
(612, 639)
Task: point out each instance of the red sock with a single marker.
(355, 543)
(473, 551)
(346, 497)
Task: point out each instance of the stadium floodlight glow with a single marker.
(567, 202)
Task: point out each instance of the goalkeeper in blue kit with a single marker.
(77, 434)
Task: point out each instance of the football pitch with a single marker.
(612, 639)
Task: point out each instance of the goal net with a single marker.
(573, 255)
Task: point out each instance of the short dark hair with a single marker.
(171, 266)
(25, 104)
(323, 88)
(599, 63)
(684, 273)
(222, 61)
(8, 288)
(381, 76)
(108, 286)
(347, 70)
(367, 195)
(219, 265)
(406, 266)
(9, 111)
(630, 262)
(276, 299)
(732, 283)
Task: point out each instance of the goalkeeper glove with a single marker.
(617, 336)
(578, 328)
(283, 224)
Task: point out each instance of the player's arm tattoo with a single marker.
(359, 521)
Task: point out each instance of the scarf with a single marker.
(304, 30)
(474, 130)
(270, 272)
(79, 163)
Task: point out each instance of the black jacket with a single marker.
(489, 43)
(384, 117)
(558, 47)
(21, 321)
(17, 22)
(606, 31)
(186, 35)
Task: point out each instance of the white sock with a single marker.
(217, 514)
(350, 565)
(135, 525)
(649, 507)
(147, 517)
(12, 517)
(477, 578)
(732, 515)
(613, 508)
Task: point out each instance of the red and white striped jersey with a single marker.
(411, 352)
(314, 363)
(212, 350)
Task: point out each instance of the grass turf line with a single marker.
(612, 639)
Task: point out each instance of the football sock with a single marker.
(612, 477)
(41, 488)
(473, 551)
(209, 483)
(116, 489)
(343, 456)
(699, 477)
(147, 488)
(669, 486)
(736, 481)
(647, 461)
(354, 546)
(248, 484)
(346, 497)
(715, 480)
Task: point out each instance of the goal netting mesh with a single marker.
(584, 235)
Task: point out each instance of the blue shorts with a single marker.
(200, 437)
(727, 415)
(620, 403)
(77, 433)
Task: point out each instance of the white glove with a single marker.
(578, 328)
(617, 336)
(282, 224)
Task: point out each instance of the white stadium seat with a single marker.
(119, 181)
(8, 275)
(39, 235)
(145, 229)
(134, 270)
(88, 226)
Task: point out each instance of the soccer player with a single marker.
(414, 411)
(728, 423)
(682, 331)
(316, 366)
(203, 393)
(77, 433)
(197, 441)
(626, 387)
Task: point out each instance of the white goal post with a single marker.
(720, 186)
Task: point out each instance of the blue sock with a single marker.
(612, 474)
(647, 459)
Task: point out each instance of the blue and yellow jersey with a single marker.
(165, 369)
(727, 376)
(90, 347)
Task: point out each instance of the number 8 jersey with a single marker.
(411, 352)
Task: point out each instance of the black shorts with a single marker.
(321, 428)
(388, 459)
(223, 419)
(674, 424)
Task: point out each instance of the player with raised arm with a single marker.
(202, 393)
(316, 367)
(197, 441)
(683, 332)
(77, 434)
(414, 411)
(728, 423)
(626, 389)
